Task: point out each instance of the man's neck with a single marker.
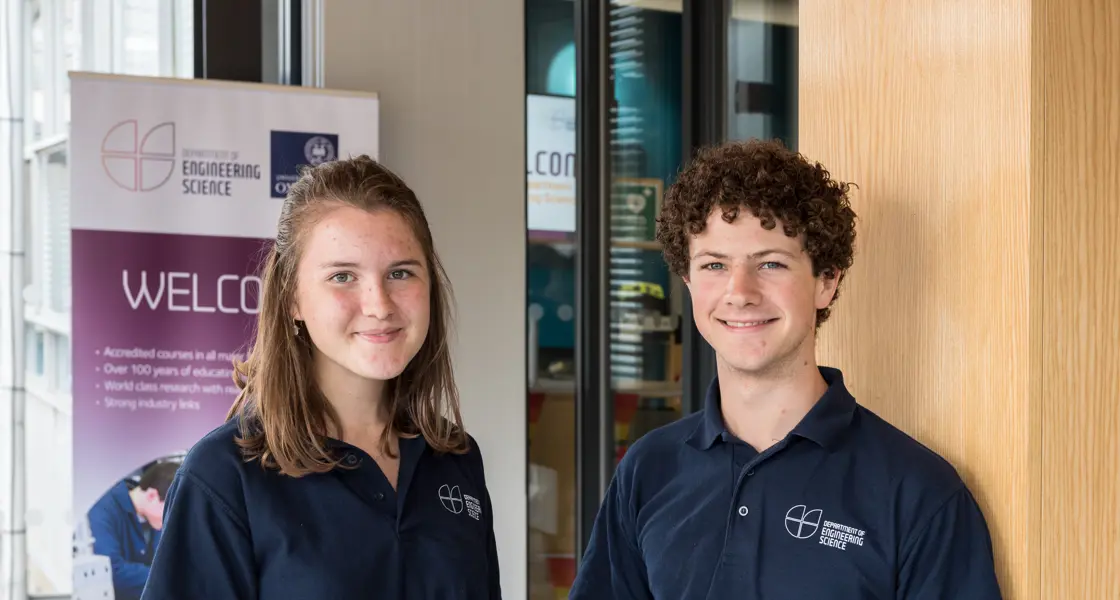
(761, 410)
(358, 402)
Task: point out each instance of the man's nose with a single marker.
(742, 287)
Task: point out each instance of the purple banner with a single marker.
(176, 186)
(158, 319)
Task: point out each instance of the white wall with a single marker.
(451, 81)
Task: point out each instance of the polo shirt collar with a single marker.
(823, 424)
(710, 427)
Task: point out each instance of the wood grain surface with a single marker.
(983, 312)
(1075, 160)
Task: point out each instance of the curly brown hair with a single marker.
(775, 185)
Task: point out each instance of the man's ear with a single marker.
(827, 283)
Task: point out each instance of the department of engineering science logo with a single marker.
(451, 498)
(803, 523)
(293, 149)
(455, 501)
(139, 163)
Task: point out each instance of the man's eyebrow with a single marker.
(768, 252)
(751, 256)
(710, 253)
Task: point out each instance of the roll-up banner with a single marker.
(176, 187)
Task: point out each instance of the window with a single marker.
(36, 353)
(156, 37)
(137, 49)
(135, 37)
(37, 70)
(50, 216)
(69, 16)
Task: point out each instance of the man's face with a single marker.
(754, 295)
(152, 509)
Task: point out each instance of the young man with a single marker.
(782, 486)
(125, 525)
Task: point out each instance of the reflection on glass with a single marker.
(762, 70)
(645, 152)
(644, 318)
(551, 295)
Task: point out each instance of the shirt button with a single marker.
(743, 511)
(351, 460)
(750, 473)
(379, 496)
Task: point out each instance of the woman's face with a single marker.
(363, 293)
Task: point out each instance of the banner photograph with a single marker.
(177, 188)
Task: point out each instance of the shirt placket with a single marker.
(737, 574)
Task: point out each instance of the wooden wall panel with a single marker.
(983, 313)
(1076, 182)
(925, 105)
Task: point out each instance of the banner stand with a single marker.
(176, 187)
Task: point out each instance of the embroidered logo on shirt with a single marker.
(454, 500)
(474, 507)
(451, 499)
(803, 524)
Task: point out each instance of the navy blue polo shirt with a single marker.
(846, 506)
(235, 531)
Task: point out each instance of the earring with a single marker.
(295, 328)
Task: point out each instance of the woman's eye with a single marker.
(342, 277)
(400, 274)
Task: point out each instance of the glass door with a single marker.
(619, 94)
(643, 316)
(762, 70)
(551, 303)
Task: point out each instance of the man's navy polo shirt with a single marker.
(845, 507)
(234, 531)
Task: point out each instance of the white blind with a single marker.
(56, 219)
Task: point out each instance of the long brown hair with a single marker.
(284, 417)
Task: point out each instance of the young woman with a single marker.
(343, 470)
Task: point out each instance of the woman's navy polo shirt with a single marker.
(846, 506)
(235, 531)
